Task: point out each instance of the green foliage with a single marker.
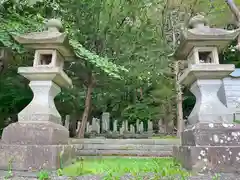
(43, 175)
(125, 44)
(18, 17)
(103, 63)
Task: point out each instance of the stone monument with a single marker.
(105, 121)
(38, 138)
(229, 93)
(67, 121)
(211, 142)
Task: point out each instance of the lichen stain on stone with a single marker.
(237, 158)
(224, 125)
(211, 125)
(215, 138)
(229, 139)
(221, 141)
(234, 134)
(203, 153)
(199, 157)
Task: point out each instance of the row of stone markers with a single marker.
(102, 126)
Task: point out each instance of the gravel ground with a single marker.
(129, 177)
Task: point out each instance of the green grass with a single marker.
(165, 137)
(237, 121)
(120, 166)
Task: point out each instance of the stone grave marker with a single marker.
(141, 127)
(122, 129)
(67, 121)
(137, 125)
(150, 126)
(115, 122)
(94, 124)
(98, 125)
(160, 127)
(126, 125)
(105, 121)
(132, 129)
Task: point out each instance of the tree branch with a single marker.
(235, 11)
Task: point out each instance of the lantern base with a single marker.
(35, 157)
(208, 107)
(35, 146)
(35, 133)
(210, 148)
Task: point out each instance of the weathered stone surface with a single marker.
(126, 147)
(206, 159)
(126, 141)
(105, 121)
(200, 34)
(94, 152)
(35, 134)
(210, 147)
(208, 108)
(209, 134)
(35, 157)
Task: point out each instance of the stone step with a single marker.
(126, 141)
(96, 152)
(128, 147)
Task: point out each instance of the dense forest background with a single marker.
(124, 64)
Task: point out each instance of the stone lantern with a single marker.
(207, 143)
(38, 138)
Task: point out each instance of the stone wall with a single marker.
(124, 147)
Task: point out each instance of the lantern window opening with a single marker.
(205, 57)
(45, 59)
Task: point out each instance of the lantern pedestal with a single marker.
(208, 107)
(210, 147)
(205, 82)
(38, 139)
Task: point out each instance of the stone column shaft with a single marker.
(42, 107)
(208, 108)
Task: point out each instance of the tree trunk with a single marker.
(180, 122)
(87, 109)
